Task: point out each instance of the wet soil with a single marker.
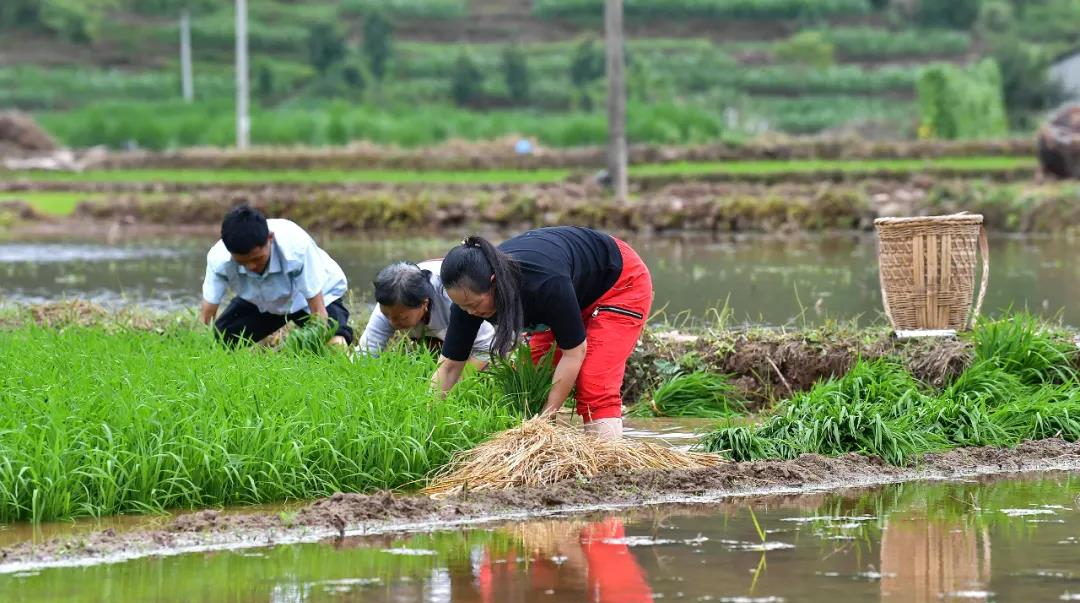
(813, 204)
(350, 514)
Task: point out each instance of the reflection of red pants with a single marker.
(614, 574)
(612, 327)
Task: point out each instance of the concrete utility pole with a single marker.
(185, 56)
(616, 97)
(243, 122)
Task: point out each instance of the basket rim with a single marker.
(960, 218)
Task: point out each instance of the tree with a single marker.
(326, 46)
(956, 14)
(264, 80)
(587, 65)
(1025, 78)
(75, 20)
(353, 76)
(516, 70)
(465, 80)
(962, 103)
(378, 33)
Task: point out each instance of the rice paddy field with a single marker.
(781, 445)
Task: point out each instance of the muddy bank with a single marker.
(706, 208)
(500, 154)
(350, 514)
(771, 364)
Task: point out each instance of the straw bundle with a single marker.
(541, 453)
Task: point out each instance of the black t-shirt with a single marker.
(564, 269)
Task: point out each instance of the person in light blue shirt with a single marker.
(277, 273)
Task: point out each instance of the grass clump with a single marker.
(310, 338)
(1021, 386)
(97, 422)
(697, 394)
(1023, 345)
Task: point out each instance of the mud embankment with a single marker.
(500, 154)
(349, 514)
(771, 364)
(705, 208)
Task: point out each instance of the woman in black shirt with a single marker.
(580, 289)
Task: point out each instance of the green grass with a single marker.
(237, 176)
(843, 165)
(748, 168)
(98, 421)
(53, 203)
(1021, 386)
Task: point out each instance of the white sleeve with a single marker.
(214, 284)
(481, 349)
(376, 334)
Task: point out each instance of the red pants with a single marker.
(612, 327)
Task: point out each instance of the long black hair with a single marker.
(403, 283)
(471, 265)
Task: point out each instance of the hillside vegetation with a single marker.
(416, 72)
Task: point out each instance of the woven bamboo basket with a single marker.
(928, 267)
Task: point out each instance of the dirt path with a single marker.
(352, 514)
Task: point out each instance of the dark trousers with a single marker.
(242, 321)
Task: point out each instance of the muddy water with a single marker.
(1004, 540)
(771, 280)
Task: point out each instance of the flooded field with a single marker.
(770, 280)
(1008, 539)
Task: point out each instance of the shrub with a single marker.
(378, 35)
(588, 63)
(465, 80)
(326, 46)
(962, 103)
(955, 14)
(1026, 83)
(806, 48)
(516, 72)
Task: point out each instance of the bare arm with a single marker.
(448, 374)
(566, 374)
(207, 312)
(318, 307)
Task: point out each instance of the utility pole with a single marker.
(186, 82)
(616, 97)
(243, 121)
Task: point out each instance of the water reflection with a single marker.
(924, 559)
(773, 280)
(1003, 540)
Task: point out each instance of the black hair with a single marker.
(403, 283)
(471, 265)
(243, 229)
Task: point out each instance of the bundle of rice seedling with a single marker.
(541, 453)
(699, 394)
(311, 338)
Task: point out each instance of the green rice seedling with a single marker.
(964, 422)
(743, 443)
(94, 422)
(1023, 345)
(1048, 412)
(986, 382)
(522, 385)
(311, 337)
(697, 394)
